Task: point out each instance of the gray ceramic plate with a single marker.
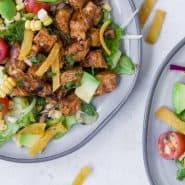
(107, 106)
(160, 171)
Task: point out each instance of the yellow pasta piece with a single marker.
(44, 140)
(26, 44)
(56, 70)
(102, 40)
(81, 177)
(145, 11)
(49, 61)
(168, 117)
(156, 27)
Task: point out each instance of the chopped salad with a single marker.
(171, 144)
(55, 57)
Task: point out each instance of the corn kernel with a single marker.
(19, 1)
(37, 25)
(47, 21)
(3, 126)
(8, 86)
(11, 81)
(17, 17)
(20, 7)
(27, 25)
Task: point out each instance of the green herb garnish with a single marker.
(20, 83)
(71, 85)
(37, 59)
(69, 61)
(14, 32)
(50, 74)
(88, 109)
(1, 106)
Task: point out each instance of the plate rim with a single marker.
(102, 124)
(157, 76)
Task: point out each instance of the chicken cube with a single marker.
(92, 14)
(44, 40)
(70, 105)
(95, 59)
(108, 82)
(95, 37)
(78, 27)
(63, 17)
(78, 50)
(71, 76)
(77, 4)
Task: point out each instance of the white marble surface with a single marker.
(116, 153)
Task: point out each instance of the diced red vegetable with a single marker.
(171, 145)
(33, 6)
(4, 50)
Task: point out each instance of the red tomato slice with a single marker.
(4, 50)
(171, 145)
(4, 105)
(33, 6)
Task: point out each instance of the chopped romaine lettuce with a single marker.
(20, 116)
(178, 97)
(114, 45)
(87, 114)
(180, 175)
(125, 66)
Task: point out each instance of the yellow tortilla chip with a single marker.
(56, 70)
(145, 11)
(44, 140)
(26, 44)
(155, 28)
(49, 61)
(168, 117)
(35, 129)
(81, 177)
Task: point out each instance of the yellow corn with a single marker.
(7, 86)
(17, 17)
(34, 25)
(20, 7)
(47, 20)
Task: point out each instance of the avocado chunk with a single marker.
(178, 97)
(7, 9)
(88, 87)
(27, 140)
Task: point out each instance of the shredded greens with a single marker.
(14, 32)
(180, 175)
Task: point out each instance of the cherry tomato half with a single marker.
(4, 105)
(171, 145)
(33, 6)
(4, 50)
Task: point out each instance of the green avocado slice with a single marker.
(178, 97)
(7, 9)
(27, 140)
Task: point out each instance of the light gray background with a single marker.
(116, 153)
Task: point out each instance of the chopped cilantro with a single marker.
(1, 106)
(88, 109)
(69, 61)
(50, 74)
(71, 85)
(37, 59)
(41, 101)
(20, 83)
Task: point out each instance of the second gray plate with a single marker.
(160, 171)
